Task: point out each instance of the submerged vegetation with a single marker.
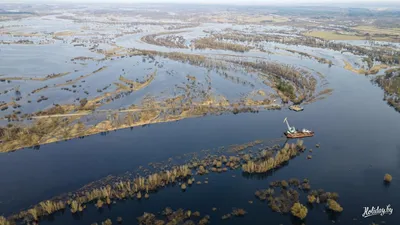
(283, 197)
(167, 39)
(390, 82)
(212, 43)
(169, 216)
(195, 99)
(121, 69)
(134, 188)
(4, 221)
(268, 162)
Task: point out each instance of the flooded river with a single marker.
(357, 131)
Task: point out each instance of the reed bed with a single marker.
(266, 164)
(169, 216)
(120, 190)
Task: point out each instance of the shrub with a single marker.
(183, 186)
(238, 212)
(294, 182)
(387, 178)
(33, 213)
(99, 203)
(107, 222)
(306, 185)
(75, 207)
(311, 198)
(83, 102)
(235, 111)
(4, 221)
(299, 210)
(286, 88)
(334, 206)
(226, 216)
(50, 207)
(284, 184)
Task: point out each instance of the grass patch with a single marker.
(331, 35)
(377, 30)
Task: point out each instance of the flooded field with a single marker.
(149, 116)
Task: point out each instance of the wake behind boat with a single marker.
(293, 133)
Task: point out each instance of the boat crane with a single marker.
(293, 133)
(290, 130)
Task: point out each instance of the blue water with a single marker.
(358, 133)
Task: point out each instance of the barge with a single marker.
(293, 133)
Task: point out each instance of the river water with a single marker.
(357, 131)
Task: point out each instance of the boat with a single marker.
(296, 108)
(293, 133)
(299, 134)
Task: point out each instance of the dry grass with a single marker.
(373, 70)
(136, 85)
(349, 67)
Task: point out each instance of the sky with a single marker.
(241, 2)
